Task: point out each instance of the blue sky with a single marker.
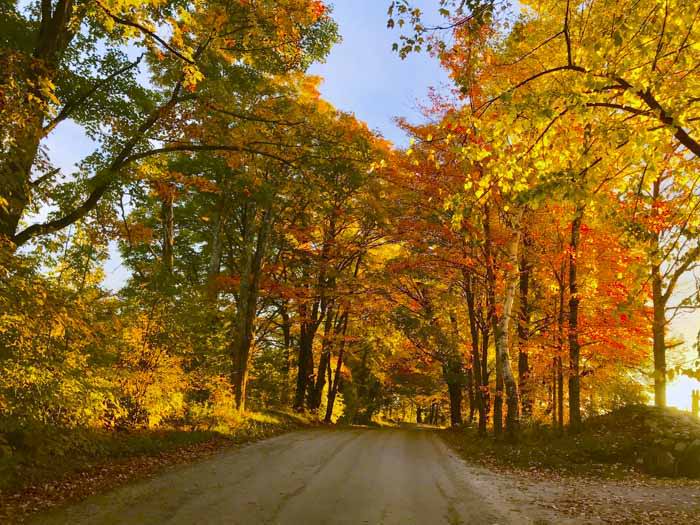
(363, 75)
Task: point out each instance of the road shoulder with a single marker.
(547, 496)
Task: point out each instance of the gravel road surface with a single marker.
(355, 476)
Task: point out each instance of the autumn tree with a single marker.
(661, 209)
(54, 72)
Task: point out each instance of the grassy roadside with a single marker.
(52, 469)
(635, 440)
(539, 451)
(599, 475)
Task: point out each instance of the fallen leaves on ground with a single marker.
(593, 497)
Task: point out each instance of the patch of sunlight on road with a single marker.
(678, 393)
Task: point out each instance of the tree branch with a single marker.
(690, 258)
(253, 118)
(145, 30)
(101, 180)
(72, 104)
(206, 147)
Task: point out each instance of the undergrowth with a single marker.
(38, 454)
(609, 446)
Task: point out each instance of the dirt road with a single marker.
(357, 476)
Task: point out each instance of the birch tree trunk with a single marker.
(502, 331)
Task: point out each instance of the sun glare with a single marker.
(679, 392)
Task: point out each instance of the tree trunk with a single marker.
(342, 329)
(659, 336)
(316, 393)
(311, 320)
(305, 364)
(493, 319)
(362, 389)
(333, 386)
(167, 199)
(480, 377)
(470, 394)
(659, 322)
(16, 165)
(524, 331)
(486, 388)
(502, 331)
(560, 393)
(15, 171)
(574, 343)
(339, 332)
(246, 311)
(559, 372)
(240, 355)
(553, 392)
(453, 370)
(455, 392)
(498, 397)
(287, 335)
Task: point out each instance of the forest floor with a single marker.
(42, 477)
